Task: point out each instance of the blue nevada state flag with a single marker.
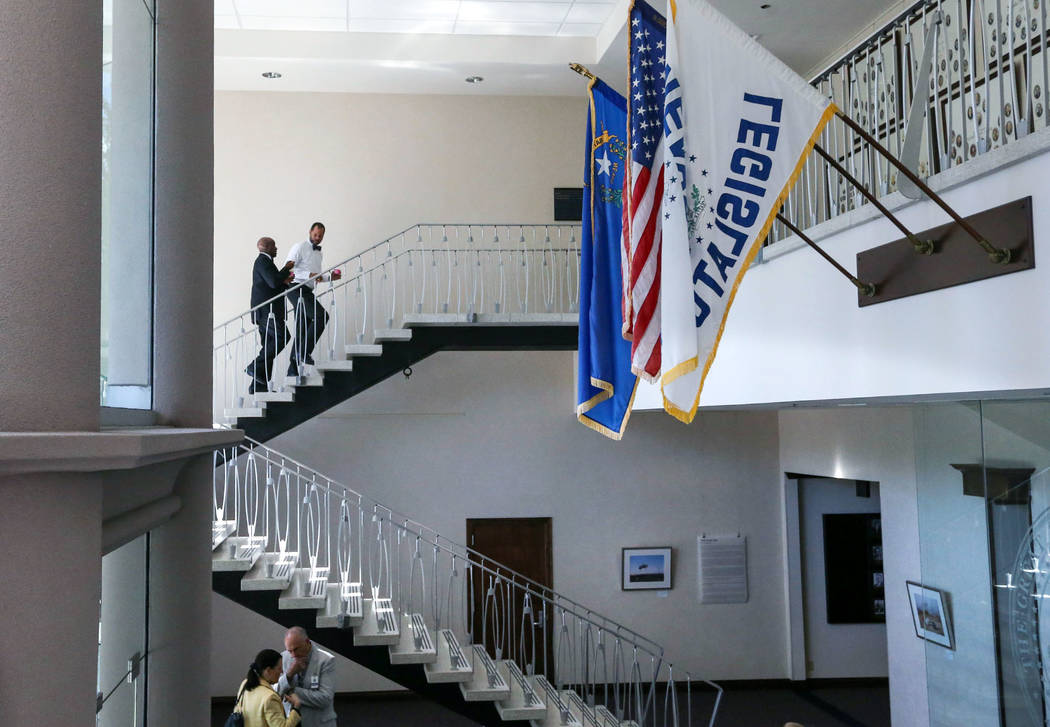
(605, 385)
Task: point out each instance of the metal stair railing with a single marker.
(333, 533)
(453, 273)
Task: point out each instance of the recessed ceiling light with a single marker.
(473, 79)
(271, 74)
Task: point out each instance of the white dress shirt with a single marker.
(305, 262)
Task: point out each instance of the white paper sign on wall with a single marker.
(722, 564)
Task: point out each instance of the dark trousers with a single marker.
(310, 320)
(273, 336)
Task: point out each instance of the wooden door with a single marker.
(500, 621)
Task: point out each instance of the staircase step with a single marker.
(245, 412)
(437, 319)
(335, 365)
(310, 380)
(529, 319)
(584, 715)
(415, 646)
(237, 554)
(274, 396)
(451, 664)
(486, 684)
(378, 624)
(308, 589)
(272, 572)
(524, 702)
(364, 349)
(220, 530)
(335, 615)
(608, 719)
(393, 334)
(558, 713)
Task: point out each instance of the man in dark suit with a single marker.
(268, 281)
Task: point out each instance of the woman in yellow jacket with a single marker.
(256, 698)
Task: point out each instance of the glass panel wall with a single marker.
(983, 476)
(953, 538)
(122, 636)
(127, 202)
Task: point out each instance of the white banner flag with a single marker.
(738, 125)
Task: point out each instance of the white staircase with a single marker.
(361, 568)
(428, 275)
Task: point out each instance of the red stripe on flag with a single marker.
(645, 257)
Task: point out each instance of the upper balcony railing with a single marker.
(462, 272)
(986, 86)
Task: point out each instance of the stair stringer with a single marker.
(338, 386)
(375, 658)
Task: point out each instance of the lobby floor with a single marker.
(830, 705)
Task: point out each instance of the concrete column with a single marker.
(50, 598)
(50, 113)
(180, 553)
(183, 282)
(180, 605)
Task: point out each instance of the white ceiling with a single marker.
(465, 17)
(520, 47)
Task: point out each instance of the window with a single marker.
(127, 202)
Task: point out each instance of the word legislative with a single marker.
(737, 208)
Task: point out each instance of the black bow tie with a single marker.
(316, 247)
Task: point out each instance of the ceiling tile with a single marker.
(394, 25)
(298, 9)
(480, 28)
(589, 13)
(413, 9)
(503, 11)
(252, 22)
(580, 29)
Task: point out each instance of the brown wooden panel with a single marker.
(897, 271)
(523, 545)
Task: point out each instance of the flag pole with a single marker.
(866, 289)
(996, 255)
(923, 247)
(582, 70)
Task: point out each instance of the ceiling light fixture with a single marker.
(271, 74)
(473, 79)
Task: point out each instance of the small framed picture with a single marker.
(929, 613)
(646, 568)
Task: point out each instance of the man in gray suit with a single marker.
(310, 673)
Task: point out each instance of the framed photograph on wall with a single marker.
(646, 569)
(929, 613)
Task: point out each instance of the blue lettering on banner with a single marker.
(673, 131)
(737, 208)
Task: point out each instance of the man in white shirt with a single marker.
(310, 316)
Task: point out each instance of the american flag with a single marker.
(644, 189)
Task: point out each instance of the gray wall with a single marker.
(493, 435)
